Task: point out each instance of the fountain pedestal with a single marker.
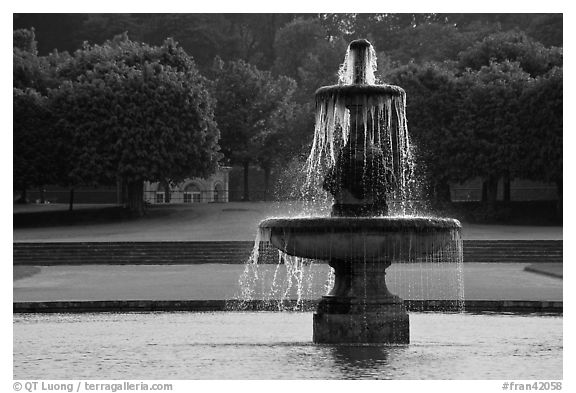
(360, 309)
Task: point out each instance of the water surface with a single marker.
(278, 345)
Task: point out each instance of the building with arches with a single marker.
(193, 190)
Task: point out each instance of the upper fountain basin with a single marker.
(385, 239)
(358, 90)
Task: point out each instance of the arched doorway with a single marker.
(218, 193)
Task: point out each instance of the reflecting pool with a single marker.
(278, 345)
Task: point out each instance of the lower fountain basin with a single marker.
(358, 238)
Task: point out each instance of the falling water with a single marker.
(384, 126)
(274, 280)
(432, 269)
(348, 68)
(347, 121)
(427, 274)
(377, 115)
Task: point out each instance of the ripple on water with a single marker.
(268, 345)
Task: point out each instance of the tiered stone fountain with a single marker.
(361, 149)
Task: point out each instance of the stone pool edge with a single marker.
(502, 306)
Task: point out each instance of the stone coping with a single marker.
(472, 306)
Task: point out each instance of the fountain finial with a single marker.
(361, 43)
(361, 57)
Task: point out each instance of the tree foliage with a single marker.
(490, 116)
(252, 109)
(484, 91)
(474, 124)
(533, 57)
(32, 144)
(34, 155)
(134, 112)
(541, 115)
(27, 67)
(434, 96)
(294, 42)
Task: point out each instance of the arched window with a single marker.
(192, 194)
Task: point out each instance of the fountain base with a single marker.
(359, 308)
(354, 321)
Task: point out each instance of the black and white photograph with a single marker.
(297, 196)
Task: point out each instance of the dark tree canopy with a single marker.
(490, 115)
(541, 114)
(134, 112)
(33, 146)
(433, 92)
(475, 83)
(253, 106)
(533, 57)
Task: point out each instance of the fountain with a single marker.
(361, 155)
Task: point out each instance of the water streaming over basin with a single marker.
(361, 143)
(361, 155)
(423, 267)
(269, 345)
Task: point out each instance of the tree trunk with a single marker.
(506, 196)
(490, 190)
(166, 186)
(442, 192)
(559, 203)
(119, 192)
(23, 196)
(71, 200)
(136, 197)
(246, 196)
(267, 173)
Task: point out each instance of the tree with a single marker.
(27, 68)
(58, 31)
(433, 94)
(489, 114)
(32, 144)
(465, 126)
(250, 109)
(547, 29)
(429, 42)
(282, 140)
(137, 113)
(532, 56)
(33, 155)
(294, 42)
(231, 36)
(541, 116)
